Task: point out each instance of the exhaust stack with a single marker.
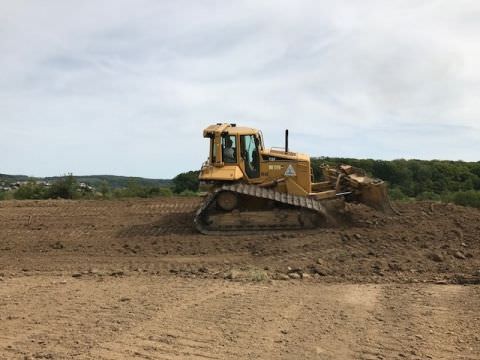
(286, 140)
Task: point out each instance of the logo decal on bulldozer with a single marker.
(290, 171)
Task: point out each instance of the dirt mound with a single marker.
(427, 242)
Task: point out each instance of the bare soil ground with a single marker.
(133, 279)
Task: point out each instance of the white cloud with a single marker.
(126, 87)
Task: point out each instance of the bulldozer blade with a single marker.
(375, 195)
(364, 189)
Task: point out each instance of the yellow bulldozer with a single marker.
(252, 188)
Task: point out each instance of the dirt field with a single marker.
(133, 279)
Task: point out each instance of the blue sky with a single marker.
(126, 87)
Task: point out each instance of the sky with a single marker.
(125, 87)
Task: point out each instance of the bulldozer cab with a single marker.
(232, 146)
(238, 154)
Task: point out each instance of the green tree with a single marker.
(64, 188)
(133, 188)
(104, 188)
(186, 181)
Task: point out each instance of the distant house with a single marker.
(43, 183)
(85, 187)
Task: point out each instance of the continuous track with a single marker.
(299, 207)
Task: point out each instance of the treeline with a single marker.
(114, 181)
(440, 180)
(69, 187)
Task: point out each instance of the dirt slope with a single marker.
(133, 279)
(432, 242)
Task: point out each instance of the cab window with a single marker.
(213, 150)
(250, 155)
(229, 149)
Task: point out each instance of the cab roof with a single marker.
(228, 128)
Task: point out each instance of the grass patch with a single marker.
(250, 274)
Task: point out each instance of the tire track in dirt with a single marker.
(167, 335)
(425, 316)
(146, 317)
(233, 318)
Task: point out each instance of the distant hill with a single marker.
(93, 180)
(14, 178)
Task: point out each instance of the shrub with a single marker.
(105, 189)
(134, 189)
(397, 194)
(467, 198)
(165, 191)
(118, 193)
(428, 195)
(64, 188)
(30, 190)
(154, 191)
(7, 195)
(188, 193)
